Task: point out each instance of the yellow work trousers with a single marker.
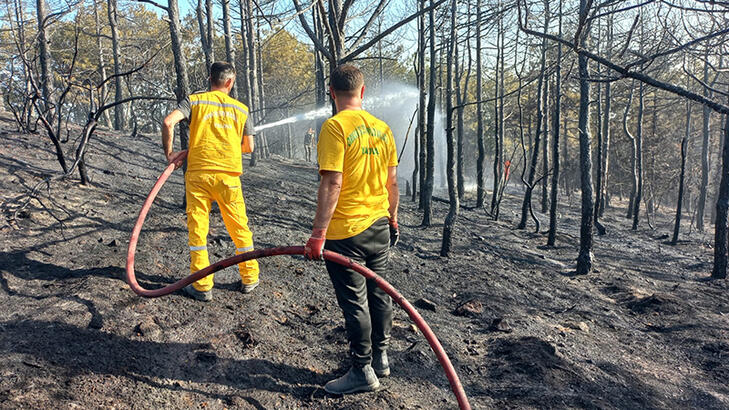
(201, 188)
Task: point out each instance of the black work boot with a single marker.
(379, 363)
(357, 379)
(205, 296)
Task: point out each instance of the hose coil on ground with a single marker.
(290, 250)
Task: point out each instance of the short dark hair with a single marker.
(346, 79)
(220, 72)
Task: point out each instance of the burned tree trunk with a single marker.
(545, 146)
(527, 203)
(638, 158)
(47, 111)
(585, 257)
(684, 143)
(210, 29)
(598, 178)
(229, 49)
(634, 157)
(263, 140)
(545, 122)
(552, 235)
(246, 76)
(419, 151)
(498, 114)
(605, 163)
(722, 207)
(422, 133)
(462, 100)
(456, 83)
(450, 220)
(44, 58)
(321, 85)
(183, 83)
(252, 70)
(430, 143)
(480, 183)
(204, 38)
(102, 65)
(705, 132)
(116, 53)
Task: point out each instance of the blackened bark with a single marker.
(430, 143)
(498, 115)
(722, 207)
(719, 164)
(203, 34)
(44, 57)
(246, 77)
(480, 183)
(263, 139)
(552, 235)
(585, 257)
(456, 83)
(414, 176)
(102, 65)
(639, 158)
(679, 205)
(605, 164)
(321, 85)
(497, 125)
(422, 132)
(452, 216)
(183, 83)
(545, 146)
(527, 202)
(705, 132)
(565, 159)
(229, 49)
(210, 29)
(116, 53)
(461, 95)
(545, 122)
(634, 157)
(419, 159)
(252, 72)
(598, 177)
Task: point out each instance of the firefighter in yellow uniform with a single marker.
(219, 134)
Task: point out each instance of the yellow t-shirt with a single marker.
(217, 124)
(362, 148)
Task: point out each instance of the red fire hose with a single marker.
(290, 250)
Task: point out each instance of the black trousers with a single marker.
(367, 308)
(307, 149)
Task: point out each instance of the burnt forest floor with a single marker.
(645, 330)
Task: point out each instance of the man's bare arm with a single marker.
(327, 198)
(393, 192)
(168, 133)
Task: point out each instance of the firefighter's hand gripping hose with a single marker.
(290, 250)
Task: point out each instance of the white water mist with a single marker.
(307, 116)
(394, 103)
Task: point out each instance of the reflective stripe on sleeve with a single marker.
(198, 248)
(222, 105)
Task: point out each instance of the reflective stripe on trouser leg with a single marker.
(198, 211)
(229, 195)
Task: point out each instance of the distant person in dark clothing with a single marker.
(308, 142)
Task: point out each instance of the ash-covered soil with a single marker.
(645, 330)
